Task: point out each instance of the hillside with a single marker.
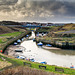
(69, 27)
(5, 29)
(66, 27)
(9, 23)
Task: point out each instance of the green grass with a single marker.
(50, 68)
(4, 38)
(1, 59)
(11, 34)
(1, 40)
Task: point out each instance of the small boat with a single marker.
(15, 43)
(27, 35)
(72, 66)
(19, 41)
(18, 50)
(21, 57)
(48, 45)
(34, 40)
(32, 60)
(44, 62)
(40, 44)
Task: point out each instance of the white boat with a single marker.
(15, 43)
(19, 41)
(40, 44)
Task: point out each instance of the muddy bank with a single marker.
(11, 50)
(50, 48)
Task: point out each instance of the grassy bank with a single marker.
(49, 68)
(11, 34)
(4, 38)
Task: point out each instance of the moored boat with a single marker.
(40, 44)
(44, 62)
(32, 60)
(72, 66)
(18, 41)
(34, 40)
(15, 43)
(49, 45)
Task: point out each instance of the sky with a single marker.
(57, 11)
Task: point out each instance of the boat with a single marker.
(20, 57)
(48, 45)
(15, 43)
(34, 40)
(72, 66)
(19, 41)
(27, 35)
(18, 50)
(44, 62)
(32, 60)
(40, 44)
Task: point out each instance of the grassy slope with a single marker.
(5, 29)
(18, 62)
(5, 37)
(11, 34)
(7, 33)
(69, 27)
(66, 27)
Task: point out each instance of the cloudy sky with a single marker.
(38, 10)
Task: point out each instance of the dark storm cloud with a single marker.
(70, 7)
(8, 2)
(41, 9)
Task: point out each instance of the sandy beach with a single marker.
(50, 48)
